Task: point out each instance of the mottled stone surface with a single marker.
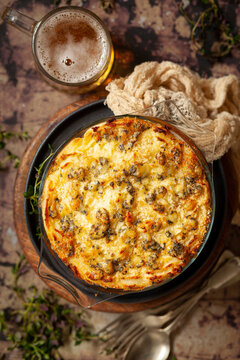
(141, 31)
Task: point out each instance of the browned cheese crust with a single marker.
(127, 205)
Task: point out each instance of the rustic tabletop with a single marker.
(141, 31)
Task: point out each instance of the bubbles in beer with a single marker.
(72, 47)
(68, 62)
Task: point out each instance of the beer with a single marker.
(73, 48)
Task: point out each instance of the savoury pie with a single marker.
(127, 205)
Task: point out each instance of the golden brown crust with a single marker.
(126, 206)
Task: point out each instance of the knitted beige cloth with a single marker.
(207, 110)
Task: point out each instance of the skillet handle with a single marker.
(57, 279)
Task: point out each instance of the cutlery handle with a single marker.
(224, 274)
(220, 278)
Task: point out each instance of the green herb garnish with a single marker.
(32, 192)
(211, 35)
(42, 324)
(5, 136)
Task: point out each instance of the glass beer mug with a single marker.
(71, 46)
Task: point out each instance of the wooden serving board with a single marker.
(33, 257)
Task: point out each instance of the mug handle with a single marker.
(18, 20)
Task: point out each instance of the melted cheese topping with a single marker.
(127, 205)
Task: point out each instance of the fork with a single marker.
(122, 322)
(119, 332)
(226, 274)
(115, 333)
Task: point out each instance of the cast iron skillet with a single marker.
(74, 123)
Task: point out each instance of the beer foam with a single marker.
(72, 46)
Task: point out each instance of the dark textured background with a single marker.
(142, 30)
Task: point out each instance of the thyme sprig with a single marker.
(211, 35)
(42, 324)
(32, 192)
(5, 136)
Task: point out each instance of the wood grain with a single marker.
(33, 257)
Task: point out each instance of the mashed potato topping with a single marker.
(127, 205)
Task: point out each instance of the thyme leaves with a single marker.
(211, 35)
(32, 193)
(42, 324)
